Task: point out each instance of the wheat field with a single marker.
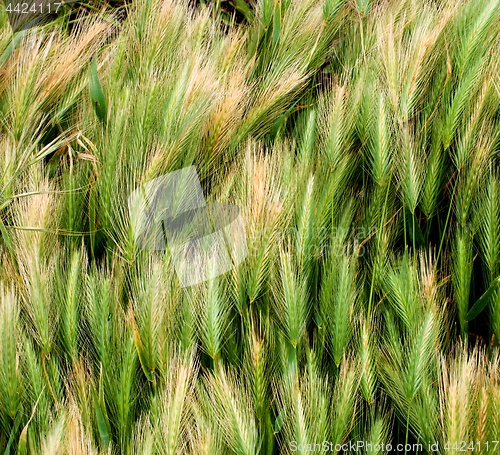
(360, 140)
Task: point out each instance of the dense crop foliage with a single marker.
(361, 141)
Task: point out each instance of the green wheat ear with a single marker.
(359, 140)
